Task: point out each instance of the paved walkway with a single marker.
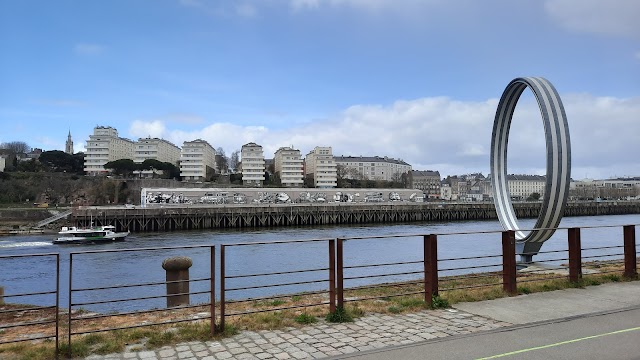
(324, 339)
(374, 332)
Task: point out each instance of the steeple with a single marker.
(68, 148)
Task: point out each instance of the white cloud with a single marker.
(451, 136)
(246, 10)
(357, 4)
(612, 17)
(89, 49)
(143, 129)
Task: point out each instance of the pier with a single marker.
(172, 217)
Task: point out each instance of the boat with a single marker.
(92, 235)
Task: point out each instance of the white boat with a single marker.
(93, 235)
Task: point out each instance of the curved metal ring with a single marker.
(556, 189)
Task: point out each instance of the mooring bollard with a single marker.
(177, 280)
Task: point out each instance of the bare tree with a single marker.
(16, 147)
(221, 160)
(234, 160)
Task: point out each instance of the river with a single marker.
(37, 274)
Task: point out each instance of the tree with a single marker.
(341, 175)
(534, 197)
(171, 171)
(16, 147)
(222, 163)
(234, 160)
(124, 167)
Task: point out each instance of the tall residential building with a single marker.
(253, 166)
(288, 165)
(156, 149)
(373, 167)
(197, 160)
(104, 146)
(68, 146)
(522, 186)
(428, 181)
(321, 165)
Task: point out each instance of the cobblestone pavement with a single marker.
(323, 339)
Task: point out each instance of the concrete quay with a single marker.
(417, 334)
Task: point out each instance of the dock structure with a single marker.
(202, 216)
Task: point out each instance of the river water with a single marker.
(37, 274)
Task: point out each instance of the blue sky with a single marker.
(410, 79)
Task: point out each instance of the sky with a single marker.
(417, 80)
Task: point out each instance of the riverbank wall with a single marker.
(194, 217)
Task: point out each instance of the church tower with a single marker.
(68, 148)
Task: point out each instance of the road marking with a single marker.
(559, 343)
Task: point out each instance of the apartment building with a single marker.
(373, 167)
(428, 181)
(103, 146)
(253, 166)
(320, 165)
(155, 149)
(522, 186)
(197, 160)
(289, 166)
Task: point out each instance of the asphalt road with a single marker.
(613, 334)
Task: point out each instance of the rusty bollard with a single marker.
(177, 280)
(1, 295)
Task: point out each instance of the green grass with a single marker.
(305, 319)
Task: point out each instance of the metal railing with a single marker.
(326, 272)
(5, 337)
(80, 317)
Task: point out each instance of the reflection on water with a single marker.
(37, 274)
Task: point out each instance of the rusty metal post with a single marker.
(340, 274)
(332, 276)
(575, 255)
(1, 295)
(222, 290)
(509, 262)
(57, 304)
(69, 312)
(177, 269)
(212, 284)
(430, 248)
(630, 259)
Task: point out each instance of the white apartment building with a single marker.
(321, 165)
(253, 166)
(373, 167)
(522, 186)
(197, 160)
(289, 165)
(104, 146)
(156, 149)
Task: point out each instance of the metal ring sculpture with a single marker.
(558, 146)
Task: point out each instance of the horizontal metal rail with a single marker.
(37, 308)
(277, 285)
(382, 275)
(139, 298)
(140, 312)
(139, 285)
(276, 297)
(471, 258)
(139, 326)
(469, 267)
(277, 309)
(601, 256)
(42, 322)
(376, 286)
(471, 286)
(384, 296)
(275, 273)
(30, 294)
(387, 264)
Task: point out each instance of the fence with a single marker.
(322, 274)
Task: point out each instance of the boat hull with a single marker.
(109, 238)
